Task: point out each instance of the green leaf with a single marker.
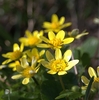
(70, 95)
(89, 46)
(89, 88)
(50, 88)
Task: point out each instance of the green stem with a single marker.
(36, 81)
(62, 84)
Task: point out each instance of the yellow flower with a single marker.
(26, 71)
(16, 54)
(85, 80)
(56, 24)
(31, 39)
(55, 41)
(59, 64)
(36, 54)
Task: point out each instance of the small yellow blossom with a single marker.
(16, 54)
(55, 40)
(56, 24)
(31, 39)
(85, 80)
(36, 54)
(59, 64)
(26, 71)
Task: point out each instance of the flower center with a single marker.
(16, 54)
(55, 25)
(56, 42)
(28, 72)
(33, 40)
(58, 65)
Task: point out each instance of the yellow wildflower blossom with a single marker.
(16, 54)
(26, 71)
(59, 64)
(56, 24)
(85, 80)
(55, 41)
(36, 54)
(31, 39)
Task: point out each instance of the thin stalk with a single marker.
(36, 81)
(62, 84)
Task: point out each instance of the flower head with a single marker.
(36, 54)
(55, 40)
(31, 39)
(59, 64)
(56, 24)
(16, 54)
(85, 80)
(26, 71)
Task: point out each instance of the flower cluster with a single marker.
(49, 48)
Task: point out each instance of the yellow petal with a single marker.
(46, 24)
(84, 80)
(35, 33)
(45, 64)
(28, 33)
(35, 51)
(80, 35)
(44, 39)
(60, 35)
(92, 72)
(42, 45)
(54, 18)
(62, 20)
(71, 64)
(58, 54)
(49, 56)
(16, 47)
(68, 40)
(24, 41)
(67, 55)
(21, 47)
(65, 25)
(84, 87)
(24, 62)
(62, 72)
(25, 81)
(6, 61)
(19, 68)
(42, 53)
(98, 70)
(51, 35)
(51, 72)
(16, 76)
(7, 55)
